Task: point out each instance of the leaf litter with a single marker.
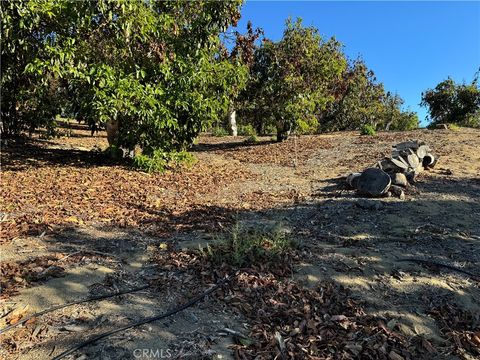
(285, 319)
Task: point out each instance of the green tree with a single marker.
(454, 103)
(29, 97)
(393, 116)
(150, 69)
(360, 100)
(291, 80)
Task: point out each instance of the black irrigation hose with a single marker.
(434, 263)
(98, 297)
(142, 322)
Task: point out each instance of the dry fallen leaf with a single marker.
(17, 315)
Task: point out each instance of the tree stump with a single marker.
(373, 182)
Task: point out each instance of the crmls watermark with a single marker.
(152, 353)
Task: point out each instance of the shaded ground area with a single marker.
(99, 225)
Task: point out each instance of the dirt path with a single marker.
(354, 242)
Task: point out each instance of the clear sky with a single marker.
(411, 46)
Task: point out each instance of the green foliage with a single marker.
(219, 131)
(453, 127)
(160, 160)
(252, 139)
(157, 72)
(114, 152)
(472, 120)
(306, 84)
(361, 100)
(290, 80)
(404, 121)
(454, 103)
(244, 247)
(151, 67)
(393, 118)
(268, 129)
(368, 129)
(358, 100)
(246, 130)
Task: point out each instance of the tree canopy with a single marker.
(157, 73)
(306, 83)
(150, 67)
(450, 102)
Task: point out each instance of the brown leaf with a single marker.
(394, 356)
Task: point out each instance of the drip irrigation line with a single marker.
(93, 298)
(142, 322)
(434, 263)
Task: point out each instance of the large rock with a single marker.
(373, 182)
(429, 161)
(352, 179)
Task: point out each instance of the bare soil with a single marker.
(60, 197)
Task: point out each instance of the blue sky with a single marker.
(411, 46)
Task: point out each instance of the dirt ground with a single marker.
(74, 225)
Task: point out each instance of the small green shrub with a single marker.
(270, 129)
(243, 247)
(453, 127)
(368, 129)
(472, 120)
(219, 131)
(114, 152)
(246, 130)
(251, 139)
(160, 160)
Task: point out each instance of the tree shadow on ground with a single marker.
(74, 126)
(343, 242)
(232, 145)
(24, 153)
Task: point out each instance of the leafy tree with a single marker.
(150, 69)
(306, 84)
(29, 97)
(396, 119)
(454, 103)
(290, 80)
(358, 100)
(241, 54)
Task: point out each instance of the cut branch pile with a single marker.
(391, 175)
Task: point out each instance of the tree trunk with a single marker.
(373, 182)
(283, 131)
(232, 122)
(112, 128)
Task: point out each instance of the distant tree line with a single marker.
(307, 84)
(157, 73)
